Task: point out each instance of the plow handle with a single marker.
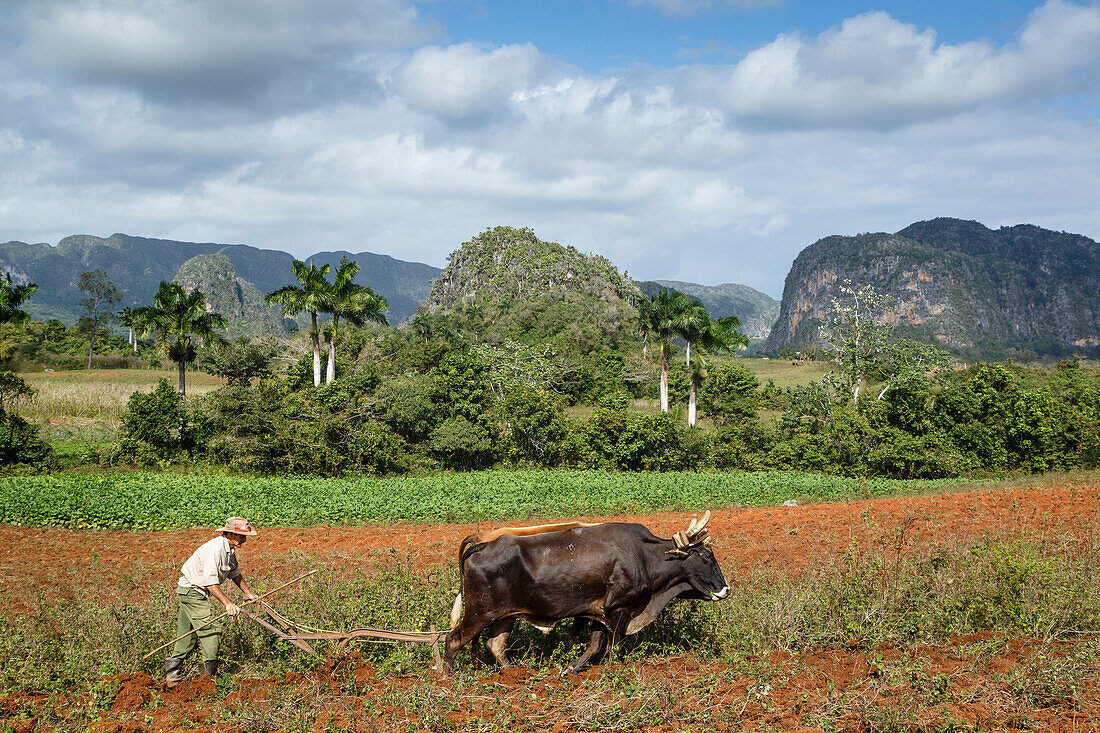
(223, 615)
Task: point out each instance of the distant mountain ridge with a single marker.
(137, 265)
(1016, 292)
(757, 311)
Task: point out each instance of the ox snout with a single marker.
(720, 594)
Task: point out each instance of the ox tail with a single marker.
(456, 610)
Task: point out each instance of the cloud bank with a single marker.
(346, 124)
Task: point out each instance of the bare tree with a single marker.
(102, 294)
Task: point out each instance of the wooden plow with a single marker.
(292, 633)
(377, 636)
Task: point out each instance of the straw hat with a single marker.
(237, 525)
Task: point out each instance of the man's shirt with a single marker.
(211, 564)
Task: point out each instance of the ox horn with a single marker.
(697, 528)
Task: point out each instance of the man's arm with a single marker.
(239, 580)
(230, 607)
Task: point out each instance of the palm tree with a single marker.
(357, 303)
(177, 318)
(11, 297)
(662, 316)
(693, 325)
(422, 324)
(312, 295)
(126, 318)
(710, 337)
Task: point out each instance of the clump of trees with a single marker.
(19, 441)
(343, 298)
(413, 409)
(460, 390)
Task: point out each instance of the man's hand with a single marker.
(232, 609)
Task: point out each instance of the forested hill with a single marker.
(1015, 292)
(235, 298)
(137, 265)
(508, 281)
(756, 311)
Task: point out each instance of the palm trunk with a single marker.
(331, 371)
(664, 380)
(182, 427)
(687, 356)
(316, 336)
(691, 405)
(133, 339)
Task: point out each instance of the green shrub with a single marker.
(408, 404)
(658, 443)
(901, 455)
(239, 362)
(155, 418)
(461, 444)
(741, 446)
(155, 428)
(537, 427)
(729, 393)
(19, 441)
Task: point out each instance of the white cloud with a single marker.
(464, 82)
(702, 173)
(229, 52)
(875, 71)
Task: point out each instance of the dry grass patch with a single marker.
(99, 395)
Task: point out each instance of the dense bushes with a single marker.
(617, 438)
(457, 408)
(19, 441)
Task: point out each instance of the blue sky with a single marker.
(699, 140)
(600, 35)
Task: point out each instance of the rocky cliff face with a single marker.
(1017, 292)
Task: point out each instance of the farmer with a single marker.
(201, 577)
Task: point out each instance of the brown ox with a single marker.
(619, 575)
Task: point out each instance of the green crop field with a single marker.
(160, 501)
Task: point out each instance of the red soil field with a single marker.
(345, 693)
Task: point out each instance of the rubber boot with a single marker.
(212, 669)
(173, 668)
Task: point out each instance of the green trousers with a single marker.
(195, 610)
